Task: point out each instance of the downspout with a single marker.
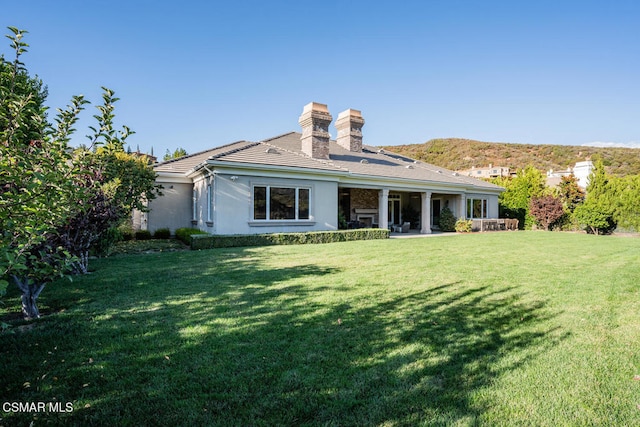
(213, 211)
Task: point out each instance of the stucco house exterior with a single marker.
(303, 181)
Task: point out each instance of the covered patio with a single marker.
(402, 212)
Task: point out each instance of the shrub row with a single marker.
(207, 241)
(126, 234)
(184, 234)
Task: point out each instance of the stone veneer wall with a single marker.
(362, 199)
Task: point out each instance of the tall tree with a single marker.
(627, 203)
(597, 211)
(570, 193)
(55, 201)
(514, 201)
(179, 152)
(36, 180)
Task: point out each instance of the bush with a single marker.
(126, 232)
(162, 233)
(447, 220)
(143, 235)
(184, 234)
(107, 240)
(464, 225)
(312, 237)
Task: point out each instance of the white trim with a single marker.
(268, 186)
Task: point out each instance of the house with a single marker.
(304, 181)
(487, 173)
(581, 170)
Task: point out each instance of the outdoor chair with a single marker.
(405, 227)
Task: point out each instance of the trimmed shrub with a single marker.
(311, 237)
(143, 235)
(447, 220)
(126, 232)
(162, 233)
(184, 234)
(464, 225)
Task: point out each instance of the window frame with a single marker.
(298, 208)
(471, 208)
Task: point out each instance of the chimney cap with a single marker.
(315, 106)
(350, 112)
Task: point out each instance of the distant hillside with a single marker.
(458, 154)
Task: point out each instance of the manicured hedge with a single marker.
(162, 233)
(143, 235)
(184, 234)
(201, 241)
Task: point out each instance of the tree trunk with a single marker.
(82, 265)
(30, 293)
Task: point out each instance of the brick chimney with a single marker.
(315, 120)
(349, 125)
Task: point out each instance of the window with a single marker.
(280, 203)
(477, 208)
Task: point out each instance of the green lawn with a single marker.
(523, 328)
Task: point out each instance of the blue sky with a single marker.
(198, 74)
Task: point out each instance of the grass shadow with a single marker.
(232, 340)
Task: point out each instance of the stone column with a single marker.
(425, 219)
(315, 121)
(462, 208)
(383, 208)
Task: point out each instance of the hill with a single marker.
(458, 154)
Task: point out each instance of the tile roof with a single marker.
(285, 151)
(190, 161)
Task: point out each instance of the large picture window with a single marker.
(477, 208)
(280, 203)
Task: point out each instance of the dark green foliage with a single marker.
(342, 221)
(126, 233)
(312, 237)
(184, 234)
(447, 220)
(143, 235)
(108, 239)
(409, 214)
(162, 233)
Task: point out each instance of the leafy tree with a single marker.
(597, 211)
(627, 210)
(55, 201)
(179, 152)
(37, 194)
(546, 210)
(595, 218)
(116, 181)
(570, 193)
(514, 201)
